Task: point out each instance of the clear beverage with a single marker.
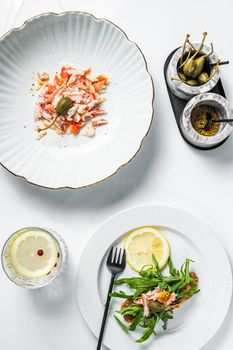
(33, 257)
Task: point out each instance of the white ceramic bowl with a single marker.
(225, 112)
(44, 43)
(186, 91)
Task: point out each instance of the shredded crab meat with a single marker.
(43, 76)
(86, 94)
(146, 310)
(156, 295)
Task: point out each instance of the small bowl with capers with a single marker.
(193, 69)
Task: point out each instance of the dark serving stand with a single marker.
(178, 104)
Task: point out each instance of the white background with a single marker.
(166, 171)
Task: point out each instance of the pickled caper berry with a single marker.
(63, 105)
(203, 78)
(182, 76)
(192, 82)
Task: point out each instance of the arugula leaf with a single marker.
(163, 286)
(121, 324)
(188, 293)
(121, 294)
(135, 322)
(156, 265)
(139, 291)
(165, 316)
(172, 270)
(149, 330)
(148, 271)
(182, 269)
(143, 282)
(186, 271)
(144, 323)
(178, 285)
(138, 282)
(131, 310)
(171, 279)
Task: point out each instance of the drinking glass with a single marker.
(38, 282)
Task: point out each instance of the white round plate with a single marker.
(198, 319)
(43, 44)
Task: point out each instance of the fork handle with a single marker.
(222, 121)
(105, 313)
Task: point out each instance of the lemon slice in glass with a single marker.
(34, 253)
(142, 243)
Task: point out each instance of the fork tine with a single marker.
(109, 260)
(115, 257)
(119, 257)
(123, 261)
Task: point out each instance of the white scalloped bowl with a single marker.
(44, 43)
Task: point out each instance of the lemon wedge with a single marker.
(142, 243)
(34, 253)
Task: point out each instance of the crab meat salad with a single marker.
(155, 297)
(71, 102)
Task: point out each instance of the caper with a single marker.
(190, 66)
(199, 65)
(188, 55)
(63, 105)
(200, 62)
(203, 78)
(182, 76)
(156, 307)
(192, 82)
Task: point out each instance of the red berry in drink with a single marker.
(40, 252)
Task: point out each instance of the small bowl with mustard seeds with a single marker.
(199, 120)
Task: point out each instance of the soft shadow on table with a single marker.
(53, 300)
(127, 180)
(221, 156)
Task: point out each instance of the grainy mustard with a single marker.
(200, 123)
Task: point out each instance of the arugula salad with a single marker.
(154, 297)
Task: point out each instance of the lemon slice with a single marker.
(34, 254)
(142, 243)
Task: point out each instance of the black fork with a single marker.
(115, 263)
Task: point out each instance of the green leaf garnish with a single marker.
(149, 330)
(151, 277)
(121, 324)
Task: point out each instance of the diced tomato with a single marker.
(75, 128)
(92, 95)
(56, 80)
(101, 77)
(50, 89)
(64, 74)
(88, 71)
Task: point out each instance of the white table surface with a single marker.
(166, 171)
